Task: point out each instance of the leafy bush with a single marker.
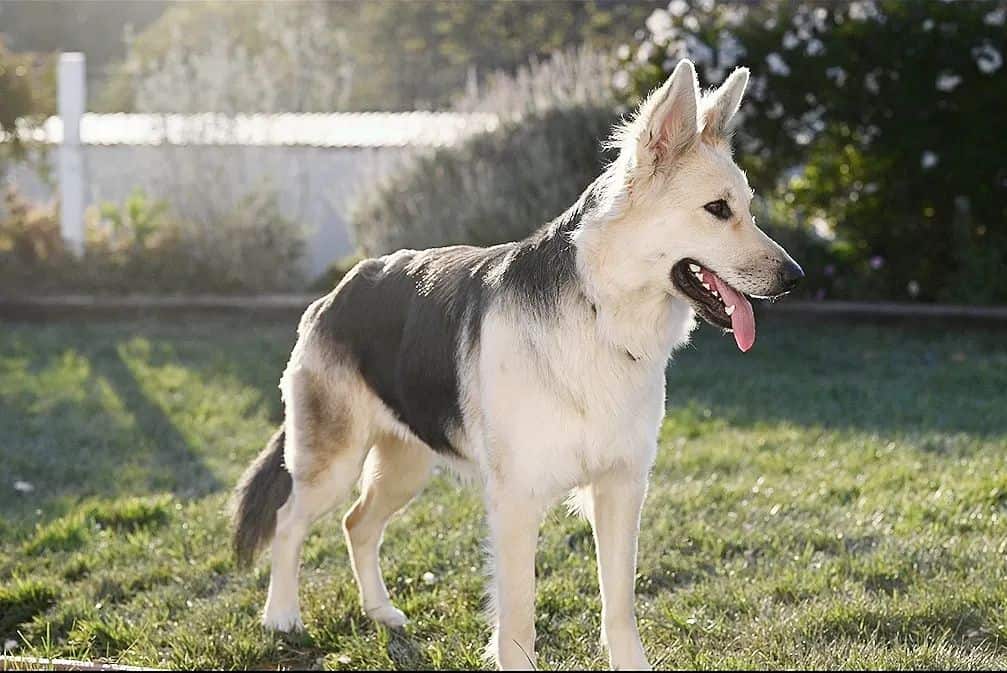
(133, 246)
(27, 96)
(140, 246)
(502, 184)
(579, 77)
(494, 187)
(252, 248)
(879, 116)
(30, 233)
(330, 278)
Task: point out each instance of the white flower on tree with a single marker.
(734, 15)
(871, 82)
(929, 159)
(988, 58)
(646, 51)
(729, 50)
(997, 17)
(947, 81)
(819, 16)
(863, 10)
(837, 74)
(661, 25)
(678, 7)
(777, 65)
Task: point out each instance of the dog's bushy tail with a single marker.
(262, 490)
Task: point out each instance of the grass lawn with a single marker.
(835, 498)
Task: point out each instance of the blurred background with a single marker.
(251, 147)
(180, 179)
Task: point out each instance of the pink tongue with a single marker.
(743, 319)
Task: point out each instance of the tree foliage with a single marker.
(383, 54)
(95, 27)
(429, 48)
(27, 95)
(235, 57)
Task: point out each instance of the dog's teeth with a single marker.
(706, 285)
(729, 310)
(694, 268)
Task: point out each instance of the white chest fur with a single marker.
(552, 404)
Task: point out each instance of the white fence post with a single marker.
(72, 95)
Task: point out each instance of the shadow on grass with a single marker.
(188, 475)
(75, 420)
(302, 651)
(884, 379)
(253, 353)
(407, 653)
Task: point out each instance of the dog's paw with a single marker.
(283, 622)
(626, 652)
(389, 615)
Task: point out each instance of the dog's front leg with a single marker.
(514, 519)
(616, 500)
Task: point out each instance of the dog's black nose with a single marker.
(791, 274)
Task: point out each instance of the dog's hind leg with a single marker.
(395, 471)
(325, 451)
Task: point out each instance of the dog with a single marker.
(535, 368)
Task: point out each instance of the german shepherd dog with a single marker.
(535, 368)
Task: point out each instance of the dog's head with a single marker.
(684, 224)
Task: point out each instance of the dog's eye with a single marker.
(719, 209)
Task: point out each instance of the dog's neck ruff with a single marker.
(629, 353)
(647, 326)
(645, 322)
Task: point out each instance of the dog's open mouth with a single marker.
(715, 301)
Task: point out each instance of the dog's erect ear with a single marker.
(720, 106)
(669, 117)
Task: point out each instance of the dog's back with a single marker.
(400, 321)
